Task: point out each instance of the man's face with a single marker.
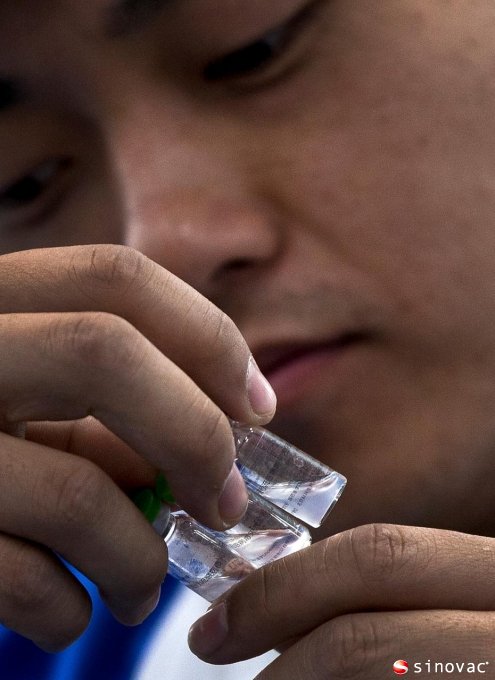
(324, 171)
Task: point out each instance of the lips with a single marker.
(273, 358)
(300, 372)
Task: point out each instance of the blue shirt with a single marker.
(106, 651)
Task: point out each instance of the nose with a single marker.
(194, 201)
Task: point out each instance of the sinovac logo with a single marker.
(401, 667)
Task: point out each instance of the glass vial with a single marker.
(265, 533)
(197, 558)
(286, 476)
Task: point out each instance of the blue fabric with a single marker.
(106, 651)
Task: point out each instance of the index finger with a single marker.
(178, 320)
(194, 353)
(371, 568)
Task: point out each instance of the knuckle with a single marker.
(113, 267)
(269, 590)
(258, 600)
(220, 331)
(222, 328)
(78, 495)
(380, 552)
(211, 424)
(356, 647)
(98, 339)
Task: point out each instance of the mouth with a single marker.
(293, 368)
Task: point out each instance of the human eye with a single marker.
(268, 57)
(32, 195)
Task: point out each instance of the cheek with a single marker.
(418, 234)
(395, 170)
(96, 211)
(396, 117)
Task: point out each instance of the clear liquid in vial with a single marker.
(265, 533)
(197, 558)
(286, 476)
(275, 472)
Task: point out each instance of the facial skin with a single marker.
(345, 187)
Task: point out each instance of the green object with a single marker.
(162, 489)
(150, 500)
(148, 503)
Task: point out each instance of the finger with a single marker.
(366, 646)
(39, 597)
(374, 567)
(66, 366)
(90, 439)
(177, 319)
(69, 505)
(14, 429)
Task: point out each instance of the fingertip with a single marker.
(261, 395)
(67, 632)
(207, 634)
(233, 500)
(52, 647)
(132, 614)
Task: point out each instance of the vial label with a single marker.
(285, 475)
(265, 533)
(200, 561)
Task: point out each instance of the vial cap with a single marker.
(148, 503)
(162, 489)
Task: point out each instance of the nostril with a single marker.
(238, 265)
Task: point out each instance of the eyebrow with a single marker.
(9, 94)
(125, 17)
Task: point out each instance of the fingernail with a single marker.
(261, 396)
(209, 632)
(233, 500)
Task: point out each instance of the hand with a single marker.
(353, 604)
(103, 331)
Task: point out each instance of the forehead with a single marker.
(114, 17)
(68, 51)
(93, 16)
(38, 37)
(65, 26)
(88, 16)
